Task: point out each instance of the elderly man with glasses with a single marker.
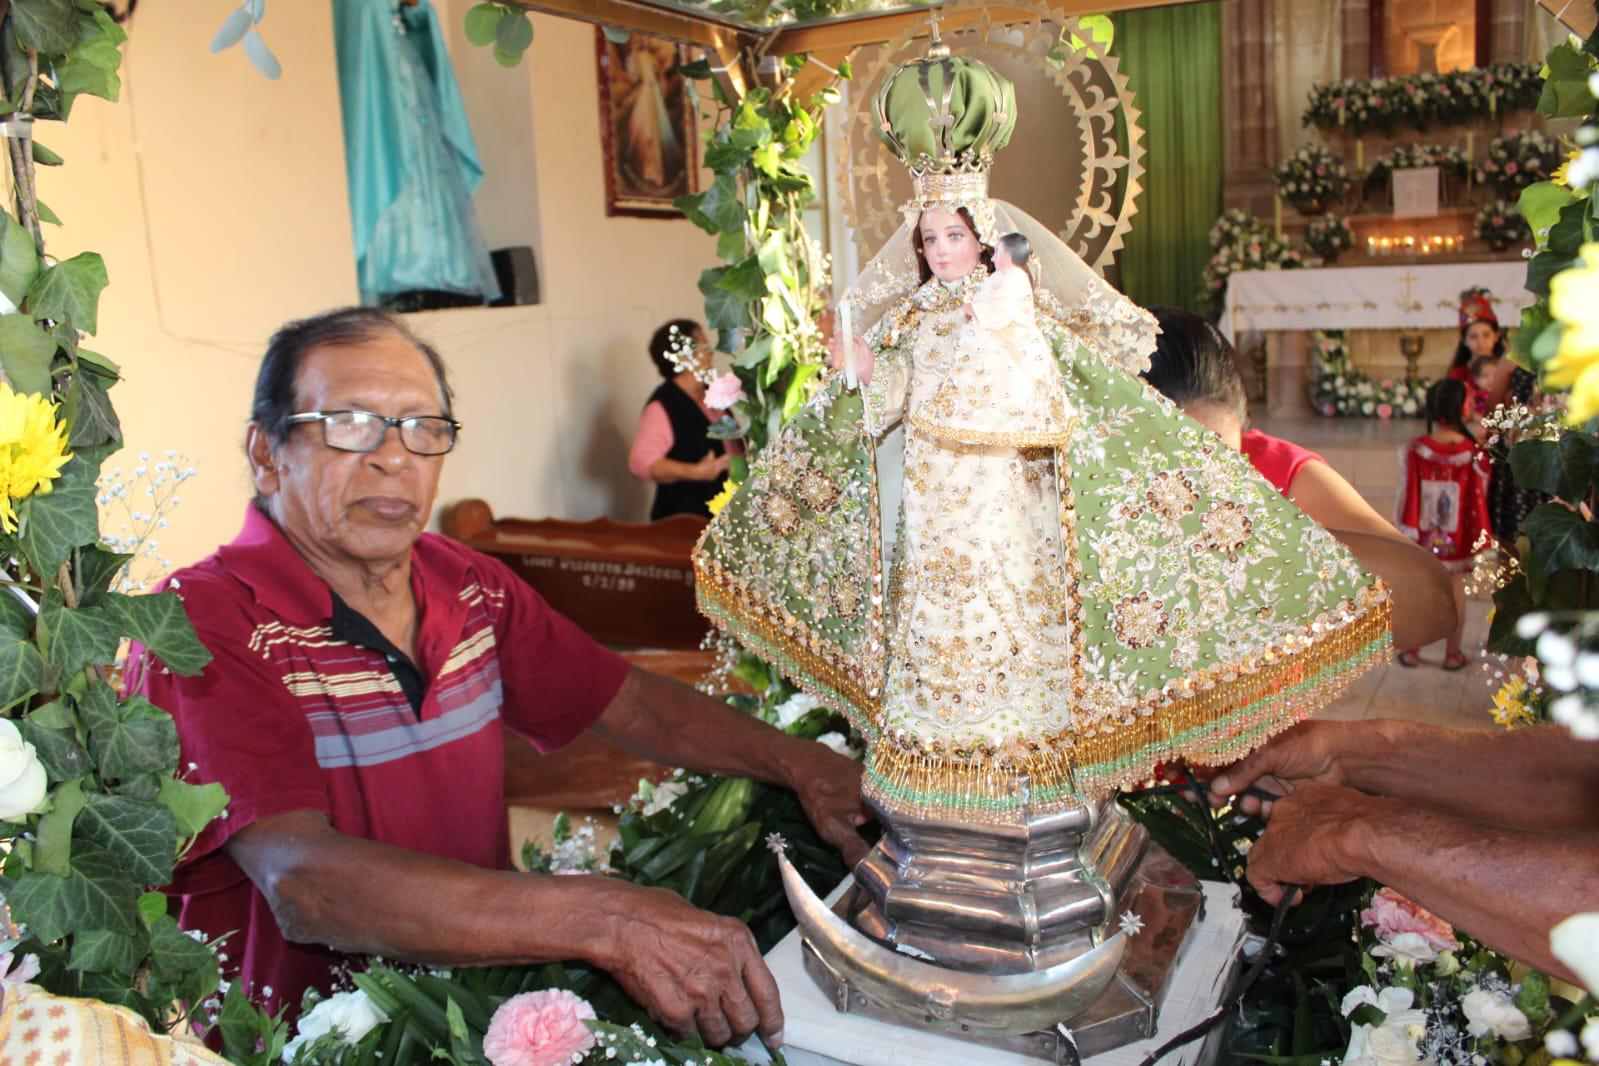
(363, 673)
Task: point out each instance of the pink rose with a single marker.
(1510, 167)
(1385, 410)
(543, 1028)
(724, 392)
(1392, 914)
(1328, 409)
(1387, 383)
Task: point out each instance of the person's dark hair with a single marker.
(1463, 354)
(1018, 247)
(1194, 363)
(985, 257)
(280, 368)
(1446, 402)
(665, 340)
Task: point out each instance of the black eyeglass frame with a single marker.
(402, 423)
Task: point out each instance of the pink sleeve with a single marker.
(651, 441)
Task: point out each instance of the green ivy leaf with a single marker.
(52, 848)
(514, 32)
(725, 157)
(131, 738)
(157, 620)
(1562, 538)
(88, 410)
(96, 894)
(1563, 468)
(744, 279)
(141, 835)
(1544, 266)
(1567, 236)
(19, 259)
(15, 614)
(723, 310)
(690, 206)
(75, 637)
(70, 291)
(722, 204)
(193, 805)
(730, 245)
(26, 352)
(102, 951)
(45, 157)
(64, 758)
(47, 26)
(699, 70)
(45, 214)
(481, 21)
(152, 908)
(54, 523)
(22, 668)
(174, 953)
(98, 567)
(1565, 86)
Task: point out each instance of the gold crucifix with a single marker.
(1409, 304)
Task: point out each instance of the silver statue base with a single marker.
(1020, 935)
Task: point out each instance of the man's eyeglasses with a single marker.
(363, 431)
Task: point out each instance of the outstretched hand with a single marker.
(829, 788)
(1307, 752)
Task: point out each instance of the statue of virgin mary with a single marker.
(1080, 587)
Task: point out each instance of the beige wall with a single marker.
(218, 200)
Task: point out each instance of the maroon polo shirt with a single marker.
(302, 710)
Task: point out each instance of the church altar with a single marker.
(1401, 296)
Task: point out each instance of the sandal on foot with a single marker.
(1455, 660)
(1408, 658)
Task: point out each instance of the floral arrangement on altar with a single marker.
(1517, 160)
(1450, 161)
(1337, 388)
(1366, 105)
(1311, 178)
(1329, 236)
(1240, 241)
(1501, 225)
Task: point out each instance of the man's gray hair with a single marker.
(341, 328)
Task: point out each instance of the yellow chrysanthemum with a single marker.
(33, 449)
(1574, 302)
(1510, 705)
(719, 501)
(1559, 176)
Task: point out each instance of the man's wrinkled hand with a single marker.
(1311, 839)
(1307, 752)
(695, 972)
(829, 788)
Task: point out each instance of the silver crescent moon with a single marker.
(1000, 1004)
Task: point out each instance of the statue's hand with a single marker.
(861, 359)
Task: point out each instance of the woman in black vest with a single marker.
(671, 446)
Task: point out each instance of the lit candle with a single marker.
(1371, 245)
(1279, 216)
(1360, 154)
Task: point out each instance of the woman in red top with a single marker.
(1194, 367)
(1480, 338)
(1444, 506)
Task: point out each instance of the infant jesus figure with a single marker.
(1004, 387)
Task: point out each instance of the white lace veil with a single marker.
(1068, 290)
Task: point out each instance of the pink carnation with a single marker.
(543, 1028)
(1385, 410)
(724, 392)
(1392, 914)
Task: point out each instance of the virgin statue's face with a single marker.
(949, 245)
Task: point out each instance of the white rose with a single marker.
(1489, 1012)
(1575, 942)
(1406, 949)
(838, 742)
(22, 778)
(659, 797)
(349, 1014)
(1560, 1044)
(1590, 1038)
(794, 708)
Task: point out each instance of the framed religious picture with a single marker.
(646, 124)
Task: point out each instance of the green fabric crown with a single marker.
(946, 113)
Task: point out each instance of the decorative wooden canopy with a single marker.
(740, 44)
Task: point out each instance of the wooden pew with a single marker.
(626, 584)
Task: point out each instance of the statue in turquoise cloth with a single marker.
(1082, 585)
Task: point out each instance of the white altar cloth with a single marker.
(1402, 296)
(815, 1034)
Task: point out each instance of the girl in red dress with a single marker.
(1444, 502)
